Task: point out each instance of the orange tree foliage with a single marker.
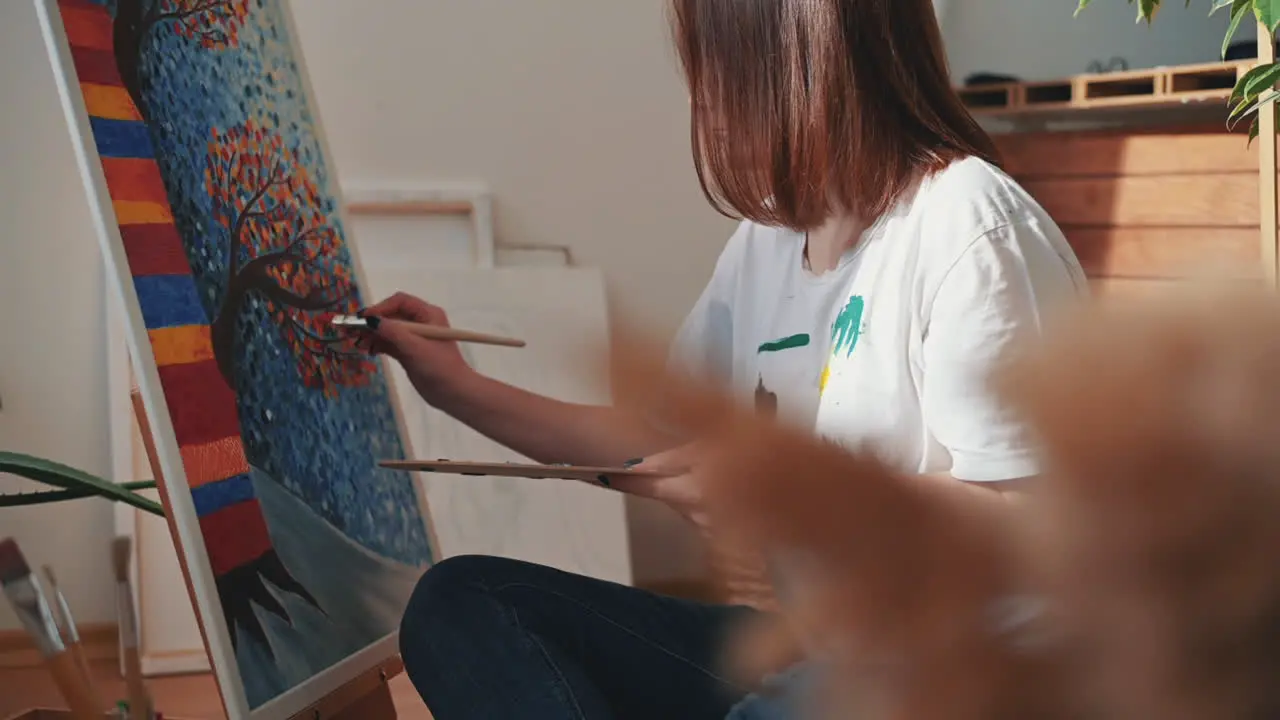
(215, 24)
(283, 249)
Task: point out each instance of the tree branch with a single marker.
(233, 263)
(183, 14)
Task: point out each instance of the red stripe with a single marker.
(201, 404)
(234, 536)
(88, 27)
(134, 179)
(96, 66)
(154, 249)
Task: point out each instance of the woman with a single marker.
(882, 263)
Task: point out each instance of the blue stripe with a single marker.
(122, 138)
(169, 301)
(215, 496)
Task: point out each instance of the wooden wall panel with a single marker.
(1032, 156)
(1203, 200)
(1167, 253)
(1122, 289)
(1145, 209)
(1110, 289)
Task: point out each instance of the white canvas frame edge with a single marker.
(478, 194)
(106, 227)
(139, 348)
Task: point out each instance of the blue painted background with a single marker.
(323, 450)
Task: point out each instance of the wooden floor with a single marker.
(182, 696)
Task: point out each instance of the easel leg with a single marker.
(377, 705)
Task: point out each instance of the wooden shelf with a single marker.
(1135, 89)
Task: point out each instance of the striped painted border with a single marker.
(201, 404)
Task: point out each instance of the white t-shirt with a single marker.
(890, 350)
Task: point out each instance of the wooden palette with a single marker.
(583, 473)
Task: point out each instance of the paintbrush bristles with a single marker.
(121, 548)
(13, 566)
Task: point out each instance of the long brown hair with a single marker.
(805, 107)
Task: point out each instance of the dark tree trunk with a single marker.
(250, 278)
(132, 23)
(223, 333)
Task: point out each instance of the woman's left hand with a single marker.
(679, 486)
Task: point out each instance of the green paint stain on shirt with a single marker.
(847, 328)
(786, 343)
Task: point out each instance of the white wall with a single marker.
(1040, 40)
(571, 110)
(52, 380)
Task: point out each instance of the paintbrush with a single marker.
(34, 612)
(430, 332)
(140, 705)
(66, 623)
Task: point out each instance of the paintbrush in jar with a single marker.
(34, 612)
(67, 623)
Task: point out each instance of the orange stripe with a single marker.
(88, 28)
(134, 180)
(180, 345)
(214, 461)
(133, 212)
(106, 101)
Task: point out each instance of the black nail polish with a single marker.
(373, 322)
(632, 463)
(604, 480)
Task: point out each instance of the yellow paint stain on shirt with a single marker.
(822, 381)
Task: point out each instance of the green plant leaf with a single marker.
(1219, 4)
(69, 478)
(1239, 8)
(1268, 12)
(41, 498)
(1080, 8)
(1245, 109)
(1147, 9)
(1255, 81)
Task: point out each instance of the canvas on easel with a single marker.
(222, 227)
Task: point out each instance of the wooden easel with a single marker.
(367, 697)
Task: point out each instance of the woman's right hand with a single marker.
(433, 366)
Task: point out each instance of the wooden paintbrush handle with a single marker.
(467, 336)
(437, 332)
(139, 700)
(81, 699)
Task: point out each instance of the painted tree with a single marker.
(281, 248)
(213, 24)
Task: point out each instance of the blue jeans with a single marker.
(487, 638)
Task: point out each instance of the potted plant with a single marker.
(72, 484)
(1256, 87)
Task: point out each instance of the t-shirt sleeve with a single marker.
(996, 294)
(703, 346)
